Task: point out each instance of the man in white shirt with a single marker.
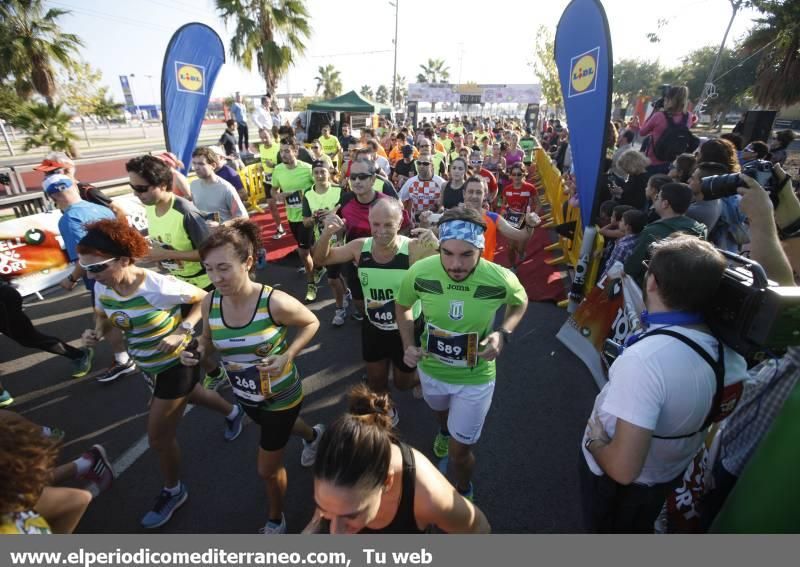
(210, 193)
(652, 416)
(262, 116)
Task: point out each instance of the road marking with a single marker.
(132, 454)
(44, 405)
(97, 433)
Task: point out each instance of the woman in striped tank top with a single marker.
(146, 306)
(246, 323)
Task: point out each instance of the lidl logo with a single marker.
(583, 74)
(190, 78)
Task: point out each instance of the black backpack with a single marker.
(675, 140)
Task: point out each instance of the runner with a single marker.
(495, 163)
(293, 178)
(423, 191)
(247, 323)
(147, 307)
(367, 481)
(268, 152)
(318, 203)
(452, 193)
(519, 198)
(460, 294)
(476, 168)
(319, 155)
(514, 153)
(382, 261)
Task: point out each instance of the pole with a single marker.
(156, 102)
(708, 86)
(396, 5)
(5, 137)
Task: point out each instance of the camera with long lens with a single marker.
(718, 186)
(658, 104)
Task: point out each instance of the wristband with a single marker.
(790, 231)
(71, 279)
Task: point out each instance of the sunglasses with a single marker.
(423, 163)
(140, 188)
(98, 267)
(360, 176)
(475, 162)
(516, 175)
(53, 172)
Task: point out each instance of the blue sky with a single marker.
(494, 45)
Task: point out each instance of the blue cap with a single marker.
(57, 183)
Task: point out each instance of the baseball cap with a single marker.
(408, 150)
(50, 165)
(57, 184)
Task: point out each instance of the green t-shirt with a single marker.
(294, 182)
(268, 153)
(447, 143)
(458, 316)
(330, 146)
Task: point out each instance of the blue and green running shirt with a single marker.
(458, 316)
(148, 315)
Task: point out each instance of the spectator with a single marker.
(632, 223)
(706, 212)
(778, 150)
(262, 116)
(228, 141)
(675, 102)
(681, 169)
(671, 204)
(239, 111)
(624, 143)
(721, 151)
(212, 194)
(634, 164)
(226, 172)
(654, 185)
(754, 150)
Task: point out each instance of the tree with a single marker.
(79, 87)
(382, 94)
(401, 91)
(46, 125)
(10, 103)
(545, 68)
(777, 33)
(366, 91)
(329, 80)
(31, 43)
(105, 108)
(270, 33)
(434, 72)
(633, 78)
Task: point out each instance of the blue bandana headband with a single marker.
(462, 230)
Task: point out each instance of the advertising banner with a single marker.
(585, 65)
(475, 94)
(192, 62)
(126, 90)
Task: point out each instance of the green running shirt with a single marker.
(241, 348)
(458, 315)
(294, 182)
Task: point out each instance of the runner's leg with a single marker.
(162, 424)
(272, 470)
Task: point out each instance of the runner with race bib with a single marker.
(519, 198)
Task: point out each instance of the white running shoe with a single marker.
(271, 529)
(339, 317)
(309, 454)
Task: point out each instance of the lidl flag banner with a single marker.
(193, 59)
(583, 58)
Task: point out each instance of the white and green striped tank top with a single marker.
(241, 348)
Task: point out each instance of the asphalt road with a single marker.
(525, 478)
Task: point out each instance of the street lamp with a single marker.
(136, 105)
(156, 101)
(396, 5)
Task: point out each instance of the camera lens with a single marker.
(718, 186)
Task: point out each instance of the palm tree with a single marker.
(269, 32)
(434, 72)
(777, 32)
(329, 80)
(402, 90)
(46, 125)
(366, 91)
(31, 42)
(382, 94)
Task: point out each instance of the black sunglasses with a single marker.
(140, 188)
(423, 163)
(360, 176)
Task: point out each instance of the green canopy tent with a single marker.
(350, 102)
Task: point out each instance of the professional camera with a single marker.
(718, 186)
(658, 104)
(752, 315)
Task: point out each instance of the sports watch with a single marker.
(506, 335)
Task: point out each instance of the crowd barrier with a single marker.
(253, 181)
(568, 249)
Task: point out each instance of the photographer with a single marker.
(771, 382)
(651, 417)
(674, 109)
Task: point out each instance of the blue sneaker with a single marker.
(233, 427)
(82, 366)
(165, 506)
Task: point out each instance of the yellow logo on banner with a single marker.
(190, 78)
(583, 73)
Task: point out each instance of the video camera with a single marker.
(718, 186)
(752, 315)
(658, 104)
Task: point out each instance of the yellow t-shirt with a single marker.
(331, 146)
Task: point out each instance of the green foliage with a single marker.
(366, 91)
(401, 91)
(633, 78)
(46, 125)
(31, 42)
(79, 88)
(269, 33)
(382, 94)
(435, 71)
(545, 67)
(329, 81)
(302, 104)
(105, 107)
(10, 103)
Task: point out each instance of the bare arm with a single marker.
(324, 254)
(287, 311)
(622, 457)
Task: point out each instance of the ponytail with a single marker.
(242, 234)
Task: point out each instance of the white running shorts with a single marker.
(468, 405)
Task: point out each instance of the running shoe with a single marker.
(5, 399)
(271, 528)
(83, 365)
(301, 270)
(309, 454)
(441, 445)
(233, 427)
(54, 434)
(319, 273)
(101, 473)
(280, 233)
(116, 370)
(469, 494)
(165, 506)
(339, 317)
(357, 315)
(214, 382)
(348, 300)
(311, 293)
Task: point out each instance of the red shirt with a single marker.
(490, 180)
(518, 199)
(357, 215)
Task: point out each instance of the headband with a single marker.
(462, 230)
(100, 241)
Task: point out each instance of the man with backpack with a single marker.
(669, 131)
(665, 389)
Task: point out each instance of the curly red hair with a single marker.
(122, 234)
(27, 459)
